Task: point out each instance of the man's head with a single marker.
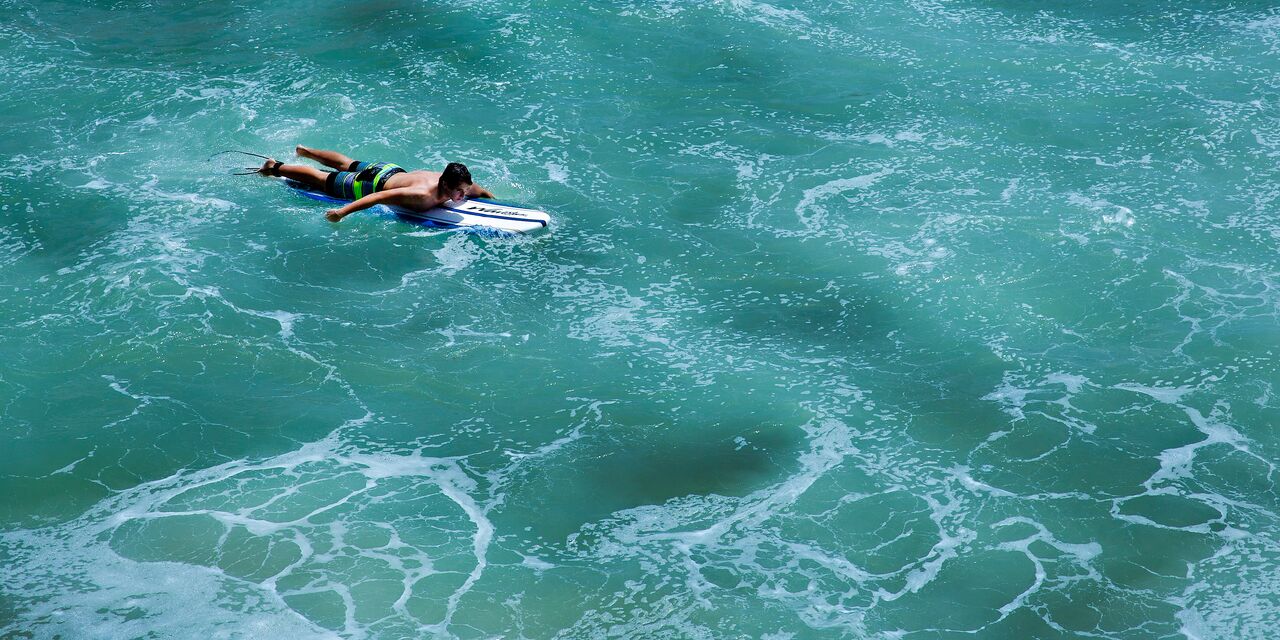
(455, 181)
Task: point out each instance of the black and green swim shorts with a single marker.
(360, 179)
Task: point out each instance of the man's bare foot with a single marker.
(267, 166)
(304, 152)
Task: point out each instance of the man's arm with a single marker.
(477, 191)
(390, 196)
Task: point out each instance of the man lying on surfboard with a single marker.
(367, 184)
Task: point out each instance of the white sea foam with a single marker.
(809, 210)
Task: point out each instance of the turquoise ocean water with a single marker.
(916, 319)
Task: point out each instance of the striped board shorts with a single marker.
(360, 179)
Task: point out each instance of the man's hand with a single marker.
(334, 215)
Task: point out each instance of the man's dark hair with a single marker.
(455, 175)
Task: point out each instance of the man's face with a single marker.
(457, 193)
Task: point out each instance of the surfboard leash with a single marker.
(248, 171)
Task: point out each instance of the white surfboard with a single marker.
(480, 212)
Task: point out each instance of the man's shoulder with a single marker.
(417, 191)
(420, 196)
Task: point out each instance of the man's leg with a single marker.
(309, 176)
(326, 158)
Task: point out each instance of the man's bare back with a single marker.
(422, 189)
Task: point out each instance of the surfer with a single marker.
(367, 184)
